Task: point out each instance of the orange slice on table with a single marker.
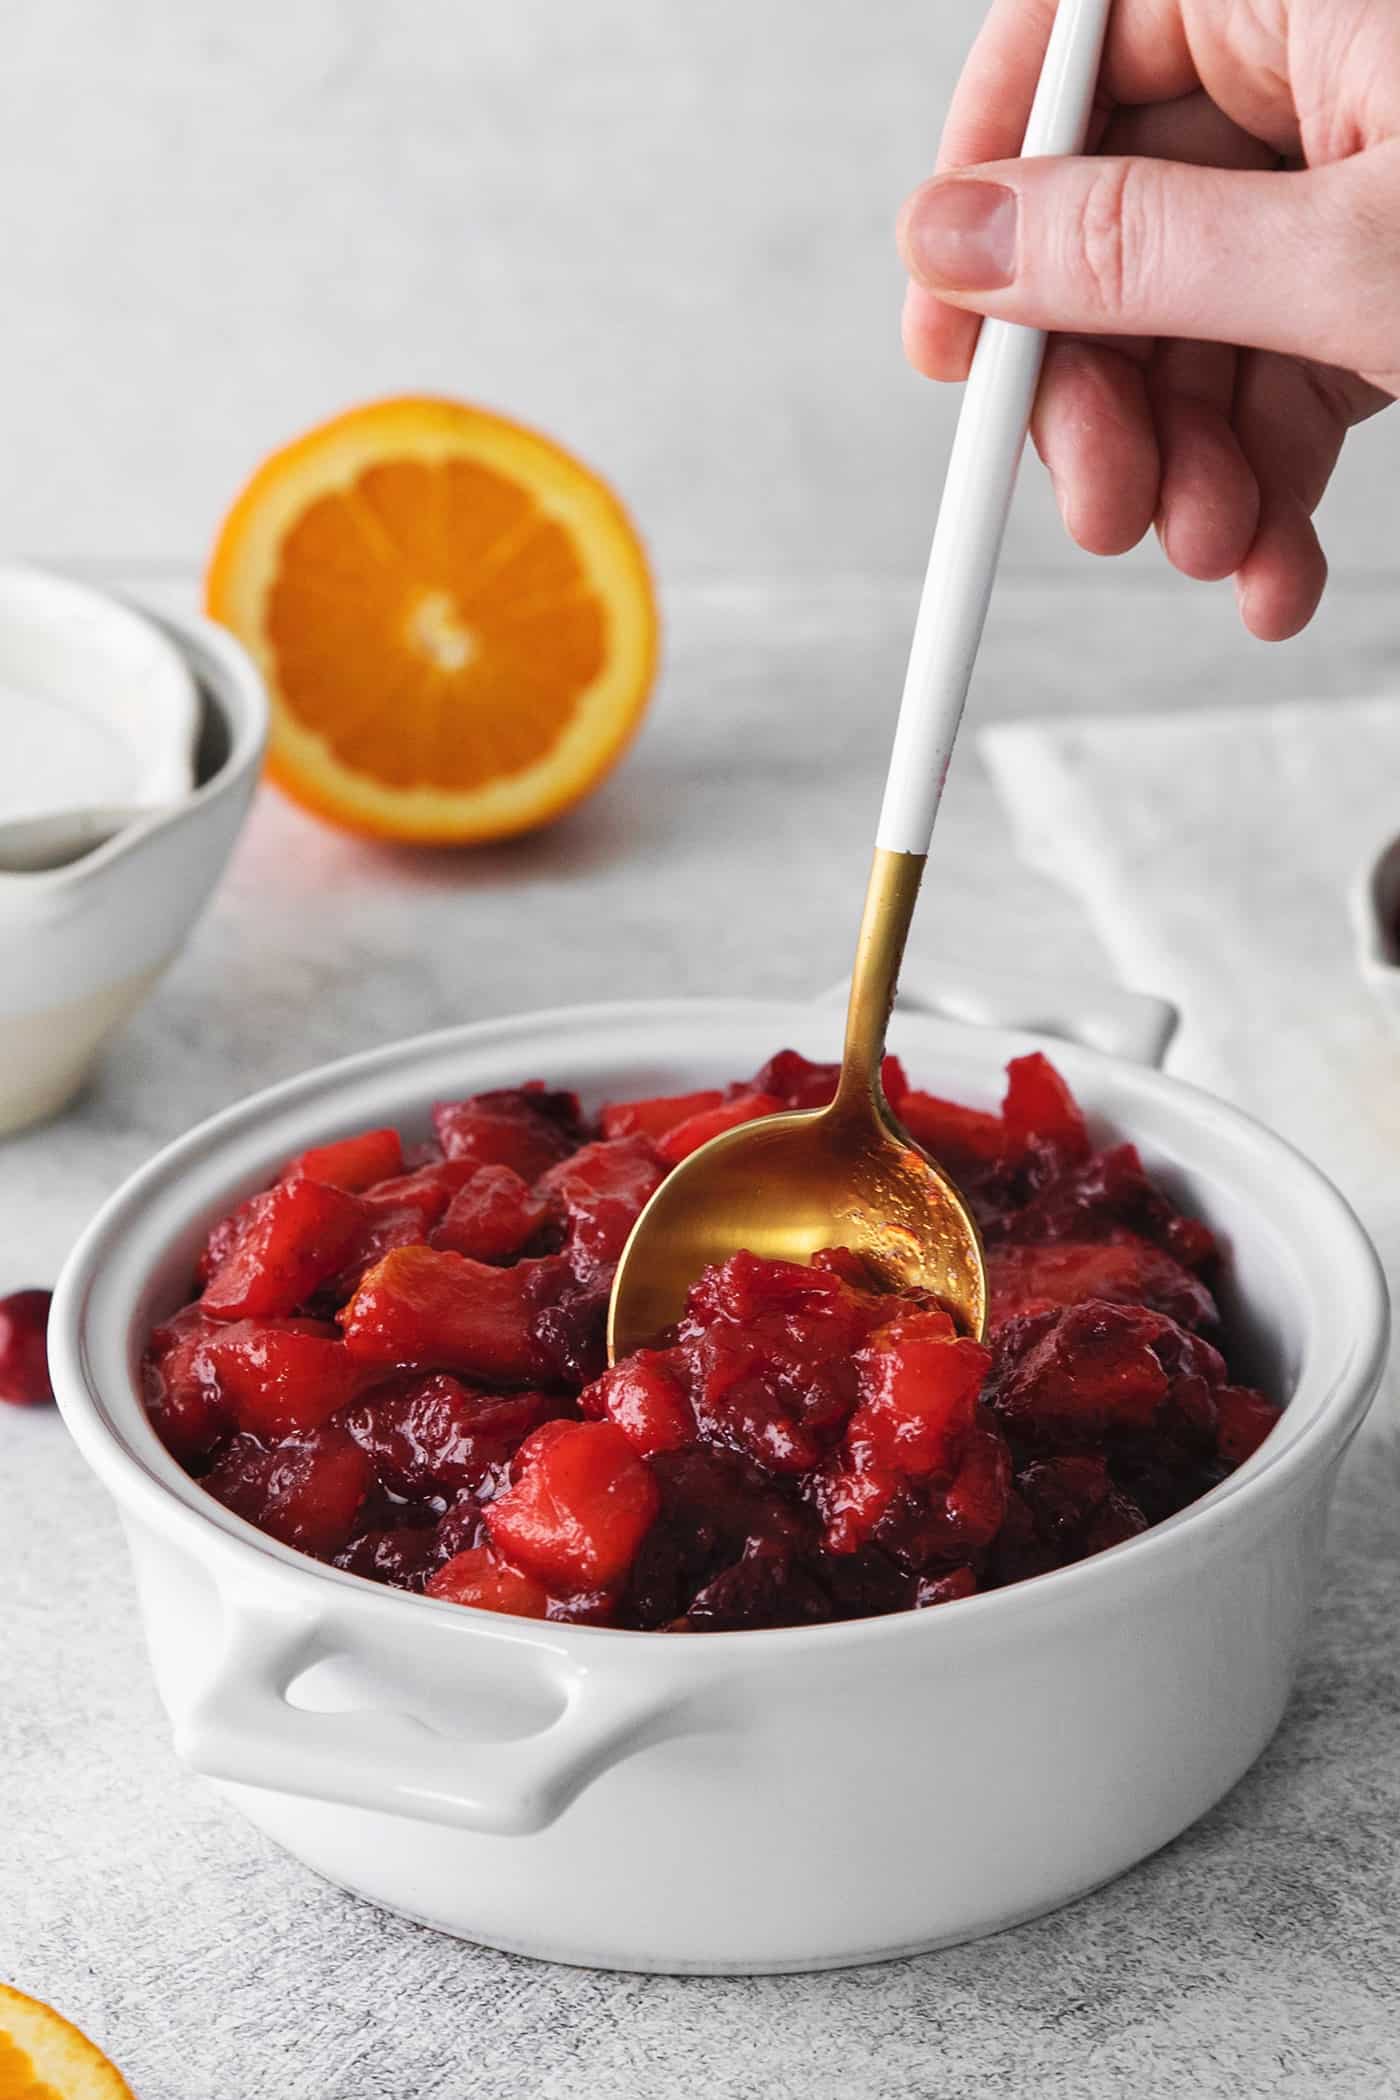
(454, 618)
(44, 2057)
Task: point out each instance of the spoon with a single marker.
(847, 1175)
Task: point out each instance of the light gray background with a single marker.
(661, 229)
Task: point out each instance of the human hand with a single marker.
(1224, 273)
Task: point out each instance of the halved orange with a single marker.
(44, 2057)
(454, 617)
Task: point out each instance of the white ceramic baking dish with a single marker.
(744, 1801)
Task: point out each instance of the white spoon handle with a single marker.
(987, 449)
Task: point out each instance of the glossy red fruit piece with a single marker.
(696, 1131)
(351, 1163)
(289, 1241)
(385, 1231)
(895, 1082)
(481, 1577)
(222, 1239)
(603, 1190)
(306, 1491)
(974, 1501)
(1124, 1270)
(281, 1378)
(584, 1608)
(782, 1298)
(440, 1438)
(846, 1266)
(527, 1128)
(956, 1137)
(183, 1399)
(1074, 1374)
(652, 1119)
(798, 1083)
(919, 1381)
(767, 1349)
(426, 1192)
(579, 1506)
(494, 1218)
(548, 1433)
(944, 1589)
(24, 1352)
(853, 1498)
(435, 1310)
(1243, 1419)
(930, 1521)
(644, 1400)
(1039, 1108)
(742, 1398)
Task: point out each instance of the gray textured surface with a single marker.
(1256, 1957)
(664, 232)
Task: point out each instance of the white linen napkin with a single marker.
(1215, 853)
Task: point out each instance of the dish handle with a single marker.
(1131, 1025)
(243, 1727)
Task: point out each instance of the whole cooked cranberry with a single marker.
(1108, 1191)
(307, 1491)
(765, 1587)
(442, 1438)
(864, 1584)
(459, 1529)
(403, 1557)
(24, 1355)
(570, 1332)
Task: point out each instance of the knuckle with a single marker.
(1117, 235)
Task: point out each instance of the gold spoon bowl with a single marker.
(786, 1186)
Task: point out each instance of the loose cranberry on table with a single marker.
(24, 1354)
(398, 1366)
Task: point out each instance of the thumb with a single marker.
(1295, 262)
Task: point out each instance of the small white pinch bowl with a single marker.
(100, 706)
(1375, 914)
(82, 944)
(793, 1799)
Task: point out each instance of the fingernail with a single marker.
(961, 236)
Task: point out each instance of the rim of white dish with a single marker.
(220, 664)
(1336, 1393)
